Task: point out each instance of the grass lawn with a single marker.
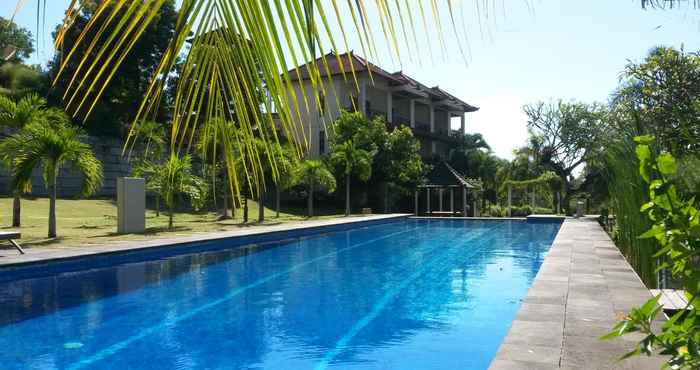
(84, 222)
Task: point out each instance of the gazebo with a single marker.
(443, 178)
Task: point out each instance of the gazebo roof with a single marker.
(443, 175)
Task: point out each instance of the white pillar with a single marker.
(415, 202)
(452, 201)
(389, 107)
(448, 124)
(362, 97)
(131, 205)
(432, 118)
(440, 191)
(461, 123)
(412, 110)
(427, 190)
(464, 201)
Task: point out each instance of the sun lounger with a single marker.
(11, 236)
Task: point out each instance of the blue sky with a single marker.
(527, 51)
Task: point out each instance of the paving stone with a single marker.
(499, 364)
(540, 333)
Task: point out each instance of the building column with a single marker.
(440, 190)
(389, 107)
(452, 201)
(461, 123)
(412, 112)
(464, 201)
(427, 201)
(362, 97)
(432, 118)
(415, 202)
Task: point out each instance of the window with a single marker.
(322, 142)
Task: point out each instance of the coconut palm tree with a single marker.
(17, 115)
(151, 135)
(353, 161)
(175, 178)
(285, 177)
(51, 143)
(314, 173)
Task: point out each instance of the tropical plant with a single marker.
(314, 173)
(676, 227)
(29, 109)
(51, 143)
(152, 139)
(174, 178)
(284, 178)
(353, 161)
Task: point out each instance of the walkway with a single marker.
(584, 285)
(10, 257)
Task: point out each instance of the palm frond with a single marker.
(237, 50)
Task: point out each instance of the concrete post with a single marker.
(412, 112)
(440, 198)
(131, 205)
(428, 211)
(510, 199)
(415, 202)
(432, 118)
(464, 201)
(389, 107)
(558, 203)
(462, 123)
(452, 201)
(362, 97)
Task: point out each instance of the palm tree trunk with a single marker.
(16, 211)
(277, 201)
(347, 194)
(157, 205)
(311, 199)
(261, 205)
(245, 208)
(52, 209)
(170, 215)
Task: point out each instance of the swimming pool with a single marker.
(406, 294)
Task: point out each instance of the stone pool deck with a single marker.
(583, 286)
(9, 256)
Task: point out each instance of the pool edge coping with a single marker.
(10, 259)
(583, 285)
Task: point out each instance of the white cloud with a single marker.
(502, 122)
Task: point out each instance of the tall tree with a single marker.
(354, 161)
(564, 136)
(661, 96)
(30, 109)
(16, 43)
(131, 79)
(51, 143)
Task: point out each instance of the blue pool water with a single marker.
(410, 294)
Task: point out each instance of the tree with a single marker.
(354, 161)
(314, 173)
(16, 42)
(30, 109)
(564, 136)
(661, 96)
(131, 79)
(398, 163)
(175, 178)
(51, 143)
(152, 140)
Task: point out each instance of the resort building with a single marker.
(400, 99)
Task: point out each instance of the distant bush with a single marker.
(496, 211)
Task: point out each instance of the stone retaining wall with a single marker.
(107, 150)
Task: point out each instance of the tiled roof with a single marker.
(359, 64)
